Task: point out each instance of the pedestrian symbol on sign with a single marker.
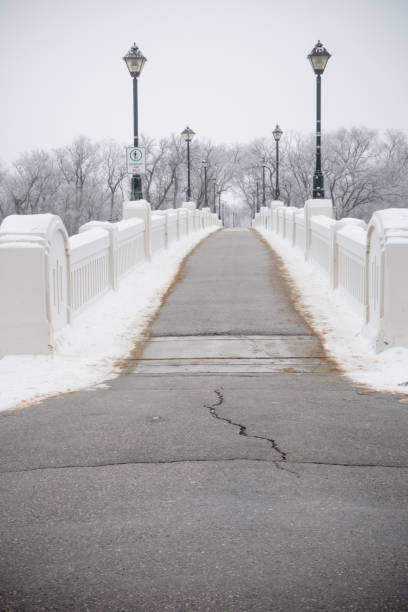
(136, 155)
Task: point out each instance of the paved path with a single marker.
(233, 468)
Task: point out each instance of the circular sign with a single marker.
(136, 155)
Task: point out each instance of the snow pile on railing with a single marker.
(352, 278)
(47, 279)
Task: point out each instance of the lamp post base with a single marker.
(136, 187)
(318, 186)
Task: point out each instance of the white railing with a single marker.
(158, 232)
(130, 245)
(320, 241)
(367, 265)
(46, 278)
(89, 267)
(350, 273)
(171, 227)
(300, 233)
(290, 227)
(182, 222)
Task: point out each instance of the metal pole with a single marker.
(318, 181)
(215, 207)
(136, 180)
(188, 172)
(263, 186)
(277, 191)
(223, 214)
(257, 196)
(219, 205)
(205, 187)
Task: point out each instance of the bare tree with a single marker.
(363, 172)
(113, 172)
(78, 165)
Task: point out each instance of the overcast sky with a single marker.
(231, 69)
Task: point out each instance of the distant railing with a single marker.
(366, 264)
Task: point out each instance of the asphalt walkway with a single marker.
(232, 468)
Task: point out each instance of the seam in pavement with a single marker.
(235, 335)
(219, 460)
(242, 428)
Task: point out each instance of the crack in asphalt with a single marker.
(206, 460)
(242, 428)
(282, 463)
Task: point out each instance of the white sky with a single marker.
(230, 69)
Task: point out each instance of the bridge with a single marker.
(231, 466)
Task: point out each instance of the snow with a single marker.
(27, 242)
(340, 329)
(393, 218)
(357, 234)
(394, 224)
(88, 237)
(26, 224)
(87, 352)
(324, 221)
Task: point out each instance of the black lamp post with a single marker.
(214, 182)
(318, 58)
(257, 196)
(205, 166)
(263, 164)
(188, 136)
(277, 133)
(219, 205)
(135, 61)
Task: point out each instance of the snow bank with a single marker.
(340, 329)
(87, 352)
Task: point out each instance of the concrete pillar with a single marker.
(34, 281)
(140, 209)
(387, 284)
(315, 207)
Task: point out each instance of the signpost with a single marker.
(136, 160)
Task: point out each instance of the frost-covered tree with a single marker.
(112, 173)
(86, 180)
(80, 191)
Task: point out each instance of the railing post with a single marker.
(140, 209)
(387, 286)
(35, 284)
(314, 207)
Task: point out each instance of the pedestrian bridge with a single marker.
(48, 278)
(231, 466)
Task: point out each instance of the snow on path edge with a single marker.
(340, 330)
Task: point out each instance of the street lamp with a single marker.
(219, 204)
(263, 164)
(277, 133)
(214, 182)
(318, 58)
(135, 61)
(205, 166)
(188, 136)
(257, 196)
